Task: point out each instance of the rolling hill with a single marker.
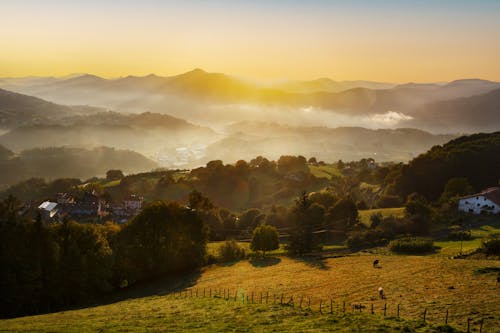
(51, 163)
(191, 95)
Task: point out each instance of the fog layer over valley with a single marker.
(186, 120)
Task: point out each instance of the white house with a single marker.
(487, 201)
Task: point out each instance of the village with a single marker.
(90, 207)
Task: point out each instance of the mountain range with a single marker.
(208, 98)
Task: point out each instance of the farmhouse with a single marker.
(49, 210)
(486, 201)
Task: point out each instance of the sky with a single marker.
(380, 40)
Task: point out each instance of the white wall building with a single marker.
(487, 201)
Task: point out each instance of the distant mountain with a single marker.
(468, 114)
(216, 98)
(18, 110)
(247, 139)
(327, 85)
(51, 163)
(146, 133)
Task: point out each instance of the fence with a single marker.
(335, 307)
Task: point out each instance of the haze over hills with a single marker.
(18, 110)
(63, 162)
(216, 99)
(241, 119)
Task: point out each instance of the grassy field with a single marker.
(325, 171)
(172, 314)
(414, 282)
(364, 215)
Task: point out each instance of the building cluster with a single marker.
(90, 207)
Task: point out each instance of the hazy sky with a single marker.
(395, 40)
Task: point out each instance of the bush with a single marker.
(456, 234)
(411, 245)
(231, 251)
(365, 238)
(491, 246)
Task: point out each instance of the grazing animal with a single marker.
(381, 293)
(375, 263)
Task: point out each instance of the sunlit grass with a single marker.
(364, 215)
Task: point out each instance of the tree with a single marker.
(165, 238)
(456, 187)
(301, 236)
(265, 238)
(114, 175)
(418, 211)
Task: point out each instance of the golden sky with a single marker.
(397, 41)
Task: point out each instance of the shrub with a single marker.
(456, 233)
(231, 251)
(411, 245)
(265, 238)
(491, 246)
(365, 238)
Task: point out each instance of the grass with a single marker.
(364, 215)
(414, 282)
(481, 229)
(172, 314)
(325, 171)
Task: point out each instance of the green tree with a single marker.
(165, 238)
(114, 175)
(301, 231)
(265, 238)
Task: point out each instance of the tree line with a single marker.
(50, 267)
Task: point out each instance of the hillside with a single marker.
(146, 133)
(415, 283)
(51, 163)
(218, 98)
(20, 110)
(474, 113)
(475, 157)
(246, 140)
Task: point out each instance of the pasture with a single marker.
(466, 288)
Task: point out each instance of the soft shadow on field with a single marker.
(159, 287)
(264, 262)
(318, 262)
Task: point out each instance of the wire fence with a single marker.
(340, 307)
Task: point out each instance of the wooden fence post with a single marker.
(320, 305)
(281, 301)
(343, 307)
(235, 295)
(267, 296)
(425, 313)
(300, 303)
(331, 306)
(261, 297)
(446, 318)
(385, 309)
(481, 326)
(372, 309)
(290, 302)
(398, 310)
(468, 324)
